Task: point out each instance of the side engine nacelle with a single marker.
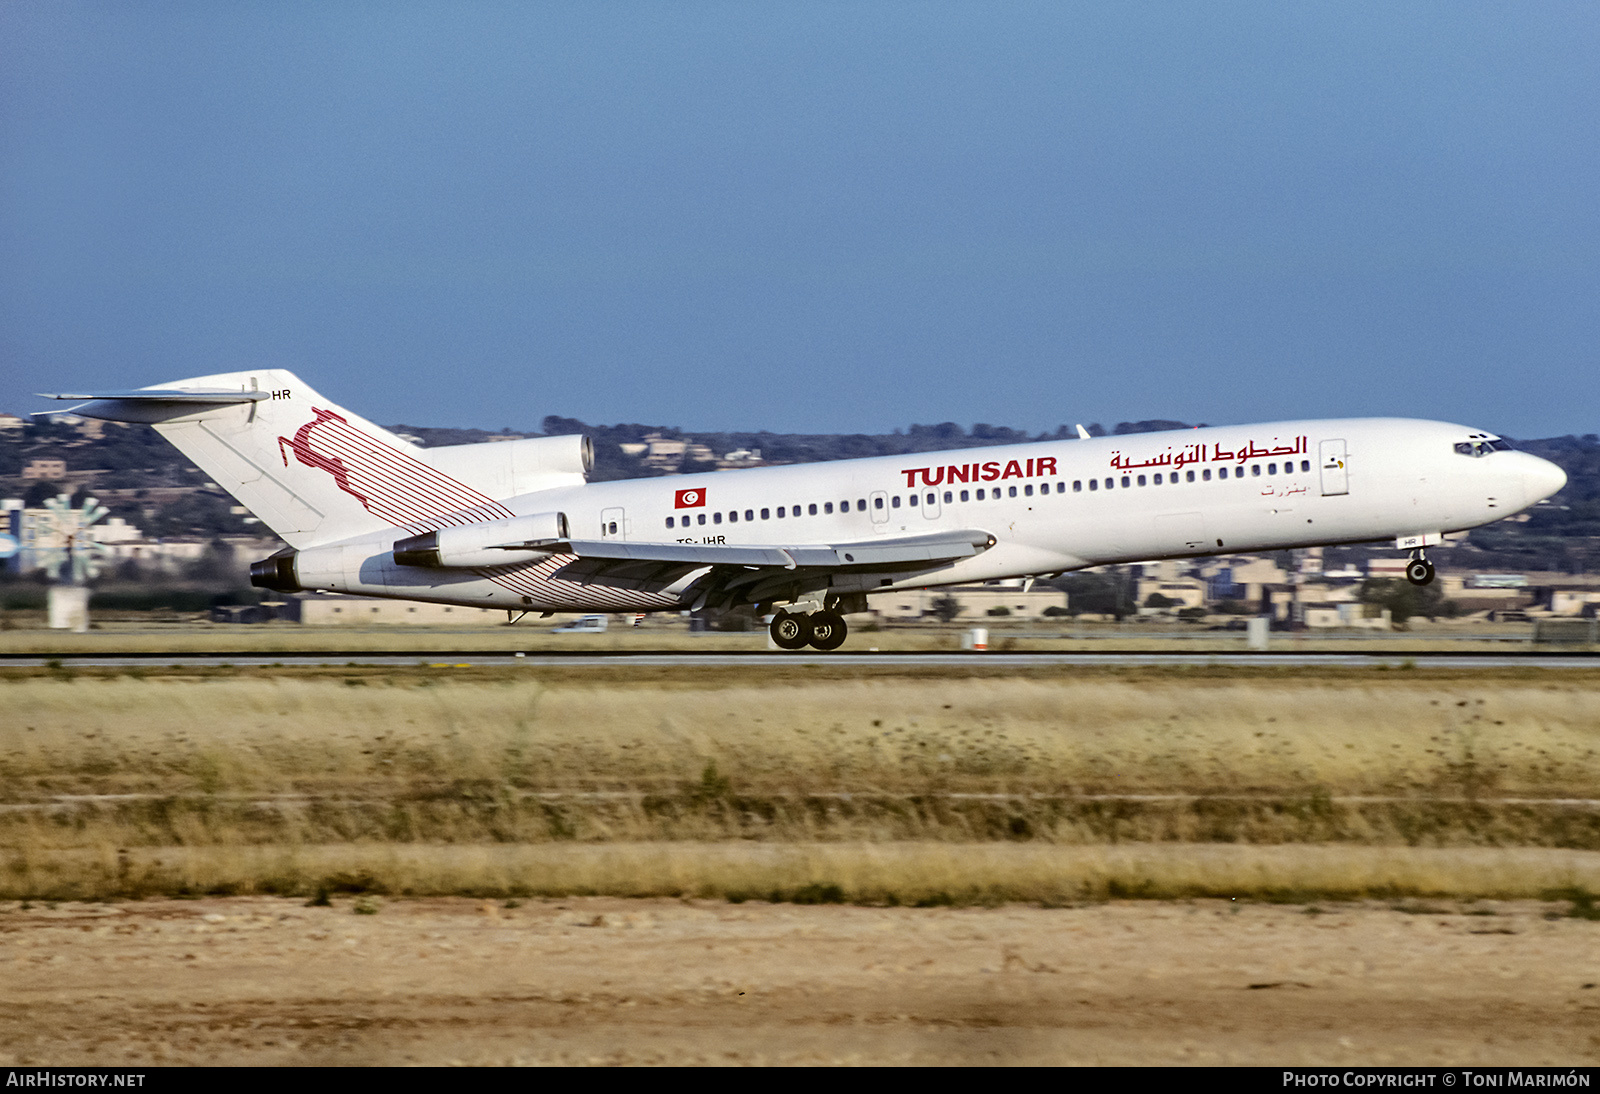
(488, 543)
(467, 546)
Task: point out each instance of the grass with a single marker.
(29, 636)
(494, 780)
(913, 874)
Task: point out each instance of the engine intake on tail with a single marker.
(488, 543)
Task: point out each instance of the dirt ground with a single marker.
(262, 981)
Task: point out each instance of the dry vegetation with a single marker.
(1037, 786)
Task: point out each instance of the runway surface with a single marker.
(757, 659)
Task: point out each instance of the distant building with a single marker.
(36, 533)
(740, 457)
(1348, 616)
(329, 610)
(976, 601)
(664, 453)
(47, 470)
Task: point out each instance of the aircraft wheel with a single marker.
(790, 632)
(1419, 571)
(828, 630)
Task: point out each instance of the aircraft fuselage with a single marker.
(1050, 506)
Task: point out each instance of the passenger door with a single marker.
(1335, 475)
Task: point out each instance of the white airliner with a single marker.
(516, 524)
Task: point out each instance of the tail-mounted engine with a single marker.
(277, 572)
(489, 543)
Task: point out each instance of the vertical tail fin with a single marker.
(312, 471)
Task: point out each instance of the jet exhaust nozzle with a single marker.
(277, 572)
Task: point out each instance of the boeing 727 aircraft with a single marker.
(517, 525)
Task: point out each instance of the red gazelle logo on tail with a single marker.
(331, 464)
(388, 481)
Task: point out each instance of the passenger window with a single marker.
(701, 519)
(948, 497)
(733, 517)
(1141, 480)
(894, 502)
(1188, 476)
(1110, 483)
(1028, 490)
(1012, 492)
(749, 515)
(1206, 474)
(766, 514)
(1255, 469)
(1305, 465)
(669, 522)
(932, 498)
(1061, 488)
(980, 495)
(1222, 474)
(716, 518)
(912, 500)
(812, 509)
(1125, 481)
(780, 512)
(1077, 486)
(1094, 484)
(1272, 469)
(964, 496)
(1157, 480)
(861, 504)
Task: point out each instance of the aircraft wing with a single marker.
(656, 566)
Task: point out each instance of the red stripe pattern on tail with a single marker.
(398, 488)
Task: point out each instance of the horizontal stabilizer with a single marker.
(170, 395)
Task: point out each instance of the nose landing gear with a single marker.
(1419, 571)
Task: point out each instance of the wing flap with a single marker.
(644, 576)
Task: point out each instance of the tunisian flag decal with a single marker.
(689, 499)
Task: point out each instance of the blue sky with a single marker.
(818, 217)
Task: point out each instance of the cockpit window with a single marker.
(1480, 448)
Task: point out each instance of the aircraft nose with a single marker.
(1542, 478)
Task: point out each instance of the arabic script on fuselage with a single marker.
(1177, 456)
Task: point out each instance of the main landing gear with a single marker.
(824, 630)
(1419, 571)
